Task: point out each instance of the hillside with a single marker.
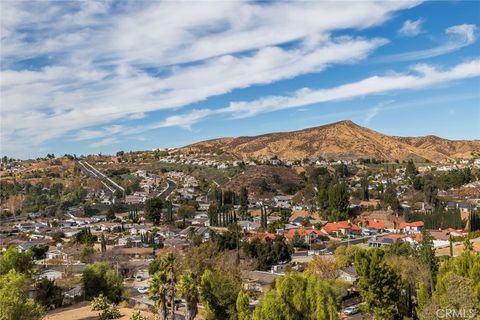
(340, 140)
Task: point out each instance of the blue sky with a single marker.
(88, 77)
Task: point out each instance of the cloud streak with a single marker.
(71, 67)
(419, 77)
(458, 36)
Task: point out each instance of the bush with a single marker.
(107, 310)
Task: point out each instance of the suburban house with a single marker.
(248, 225)
(370, 204)
(202, 232)
(258, 281)
(348, 274)
(283, 201)
(463, 207)
(133, 199)
(410, 227)
(56, 254)
(309, 234)
(138, 229)
(372, 225)
(377, 242)
(297, 221)
(31, 244)
(340, 228)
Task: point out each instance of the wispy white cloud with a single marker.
(457, 37)
(411, 28)
(104, 142)
(373, 112)
(68, 67)
(420, 76)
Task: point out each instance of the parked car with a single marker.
(139, 278)
(351, 310)
(142, 290)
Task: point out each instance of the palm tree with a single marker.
(163, 284)
(191, 234)
(188, 289)
(159, 286)
(168, 266)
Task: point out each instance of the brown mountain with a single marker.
(340, 140)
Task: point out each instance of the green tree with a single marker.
(186, 211)
(39, 252)
(153, 210)
(298, 241)
(338, 196)
(219, 291)
(345, 256)
(378, 284)
(364, 194)
(457, 296)
(58, 236)
(410, 169)
(188, 290)
(243, 306)
(100, 278)
(103, 243)
(14, 301)
(298, 296)
(389, 197)
(85, 236)
(243, 201)
(48, 294)
(268, 252)
(19, 261)
(466, 265)
(414, 276)
(427, 256)
(169, 206)
(264, 187)
(285, 214)
(86, 256)
(111, 213)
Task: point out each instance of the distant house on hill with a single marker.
(463, 207)
(340, 228)
(372, 225)
(348, 274)
(309, 234)
(410, 227)
(370, 204)
(283, 201)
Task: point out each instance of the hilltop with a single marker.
(340, 140)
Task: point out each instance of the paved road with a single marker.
(165, 193)
(360, 240)
(94, 173)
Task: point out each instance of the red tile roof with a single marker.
(376, 224)
(417, 237)
(337, 226)
(417, 224)
(302, 232)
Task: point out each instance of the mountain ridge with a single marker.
(339, 140)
